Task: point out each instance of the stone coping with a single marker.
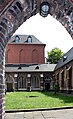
(41, 109)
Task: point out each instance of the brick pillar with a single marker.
(65, 79)
(2, 83)
(60, 80)
(13, 16)
(41, 82)
(28, 82)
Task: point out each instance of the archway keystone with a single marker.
(13, 13)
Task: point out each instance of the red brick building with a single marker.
(25, 64)
(25, 49)
(64, 72)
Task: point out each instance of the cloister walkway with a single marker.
(51, 114)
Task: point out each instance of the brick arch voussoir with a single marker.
(12, 14)
(18, 11)
(62, 10)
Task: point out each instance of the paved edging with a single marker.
(43, 109)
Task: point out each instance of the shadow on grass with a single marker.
(62, 96)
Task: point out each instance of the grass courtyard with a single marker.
(34, 100)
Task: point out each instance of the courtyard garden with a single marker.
(35, 100)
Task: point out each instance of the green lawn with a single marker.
(32, 100)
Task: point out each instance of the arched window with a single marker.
(35, 56)
(17, 39)
(9, 79)
(6, 57)
(9, 83)
(21, 56)
(62, 79)
(21, 82)
(69, 78)
(9, 56)
(29, 39)
(35, 82)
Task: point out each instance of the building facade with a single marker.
(25, 49)
(29, 77)
(25, 65)
(64, 72)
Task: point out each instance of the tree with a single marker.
(54, 55)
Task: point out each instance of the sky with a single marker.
(49, 31)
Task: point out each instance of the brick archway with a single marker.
(13, 13)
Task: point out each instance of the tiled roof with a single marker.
(30, 67)
(24, 40)
(65, 59)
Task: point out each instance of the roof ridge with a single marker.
(63, 62)
(23, 38)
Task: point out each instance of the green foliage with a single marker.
(34, 100)
(54, 55)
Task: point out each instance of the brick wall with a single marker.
(63, 12)
(24, 53)
(2, 80)
(64, 78)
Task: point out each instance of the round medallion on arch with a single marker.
(44, 9)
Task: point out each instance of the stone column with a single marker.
(28, 82)
(41, 82)
(65, 79)
(60, 80)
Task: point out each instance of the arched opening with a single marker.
(62, 80)
(21, 56)
(9, 83)
(22, 83)
(35, 56)
(35, 82)
(14, 13)
(8, 56)
(70, 79)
